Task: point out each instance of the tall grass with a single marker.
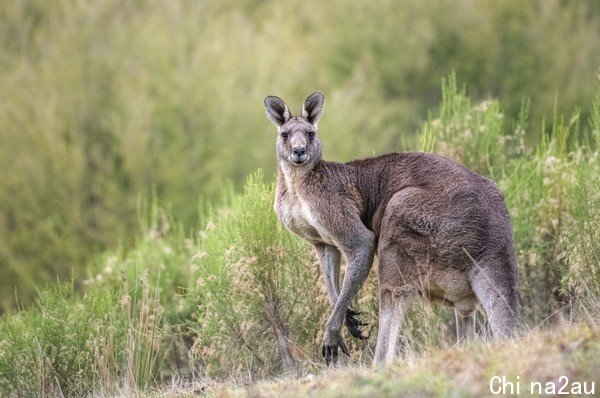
(583, 276)
(63, 345)
(96, 344)
(548, 189)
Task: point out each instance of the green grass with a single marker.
(64, 344)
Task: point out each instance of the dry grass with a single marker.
(544, 356)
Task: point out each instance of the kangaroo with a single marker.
(439, 230)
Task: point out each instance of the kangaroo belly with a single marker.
(449, 285)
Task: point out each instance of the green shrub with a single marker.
(260, 301)
(548, 191)
(476, 135)
(583, 252)
(66, 345)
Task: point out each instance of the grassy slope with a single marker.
(572, 351)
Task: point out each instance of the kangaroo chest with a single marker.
(300, 217)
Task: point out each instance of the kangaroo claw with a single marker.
(331, 343)
(354, 324)
(350, 311)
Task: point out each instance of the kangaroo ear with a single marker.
(312, 108)
(277, 110)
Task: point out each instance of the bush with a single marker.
(66, 345)
(260, 301)
(63, 344)
(548, 191)
(583, 252)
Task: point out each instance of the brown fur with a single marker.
(439, 230)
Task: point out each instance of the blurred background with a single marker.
(107, 106)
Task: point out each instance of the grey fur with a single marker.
(439, 230)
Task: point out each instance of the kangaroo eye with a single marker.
(284, 136)
(311, 135)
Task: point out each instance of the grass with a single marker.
(63, 345)
(71, 345)
(459, 371)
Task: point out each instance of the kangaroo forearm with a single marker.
(356, 273)
(332, 291)
(329, 260)
(350, 287)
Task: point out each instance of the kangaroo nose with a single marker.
(299, 150)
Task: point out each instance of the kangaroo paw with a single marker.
(331, 342)
(354, 324)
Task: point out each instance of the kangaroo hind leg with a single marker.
(495, 283)
(396, 294)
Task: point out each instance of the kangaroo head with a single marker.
(297, 141)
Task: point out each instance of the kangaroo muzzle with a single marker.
(299, 154)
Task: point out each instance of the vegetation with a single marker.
(242, 298)
(110, 109)
(105, 103)
(456, 372)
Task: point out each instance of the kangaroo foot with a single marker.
(354, 324)
(331, 342)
